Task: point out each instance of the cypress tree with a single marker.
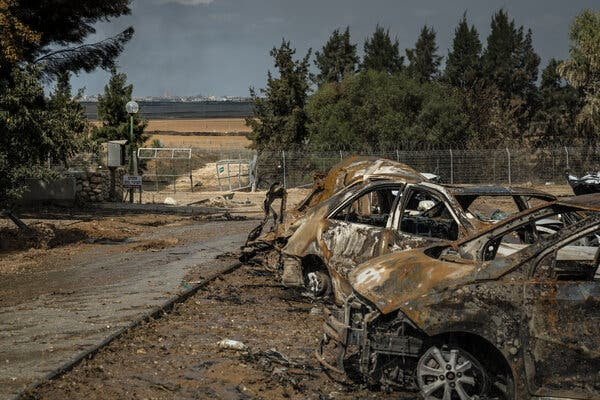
(336, 59)
(381, 54)
(424, 63)
(509, 61)
(499, 60)
(464, 58)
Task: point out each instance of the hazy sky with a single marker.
(221, 47)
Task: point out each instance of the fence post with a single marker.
(229, 175)
(283, 158)
(509, 172)
(341, 155)
(451, 167)
(397, 155)
(567, 153)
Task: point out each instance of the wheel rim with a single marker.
(450, 374)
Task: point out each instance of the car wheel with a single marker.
(318, 283)
(451, 373)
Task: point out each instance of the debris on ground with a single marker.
(223, 201)
(170, 201)
(180, 351)
(230, 344)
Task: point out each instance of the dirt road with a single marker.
(57, 302)
(177, 356)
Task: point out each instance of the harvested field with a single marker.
(202, 141)
(215, 125)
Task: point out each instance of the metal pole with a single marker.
(284, 180)
(219, 177)
(451, 167)
(567, 153)
(341, 155)
(131, 154)
(509, 172)
(228, 175)
(397, 155)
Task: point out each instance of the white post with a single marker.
(567, 153)
(341, 155)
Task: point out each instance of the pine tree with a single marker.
(67, 120)
(526, 75)
(423, 61)
(34, 130)
(112, 112)
(509, 60)
(337, 58)
(52, 34)
(279, 116)
(498, 60)
(463, 62)
(381, 54)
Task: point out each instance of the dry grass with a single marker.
(216, 125)
(206, 125)
(202, 142)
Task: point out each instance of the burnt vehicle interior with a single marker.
(493, 208)
(536, 227)
(372, 208)
(426, 214)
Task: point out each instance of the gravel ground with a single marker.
(178, 357)
(59, 300)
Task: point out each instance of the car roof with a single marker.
(495, 190)
(587, 201)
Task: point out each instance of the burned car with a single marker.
(350, 172)
(379, 217)
(512, 312)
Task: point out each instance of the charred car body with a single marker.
(512, 312)
(352, 171)
(379, 217)
(366, 207)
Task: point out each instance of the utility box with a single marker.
(116, 151)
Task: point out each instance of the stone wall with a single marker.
(92, 187)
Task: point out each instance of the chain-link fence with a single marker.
(219, 169)
(500, 166)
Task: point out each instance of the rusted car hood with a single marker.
(356, 169)
(401, 280)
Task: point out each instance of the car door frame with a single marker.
(529, 361)
(371, 187)
(398, 211)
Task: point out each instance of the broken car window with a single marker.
(491, 208)
(372, 208)
(426, 214)
(576, 260)
(538, 226)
